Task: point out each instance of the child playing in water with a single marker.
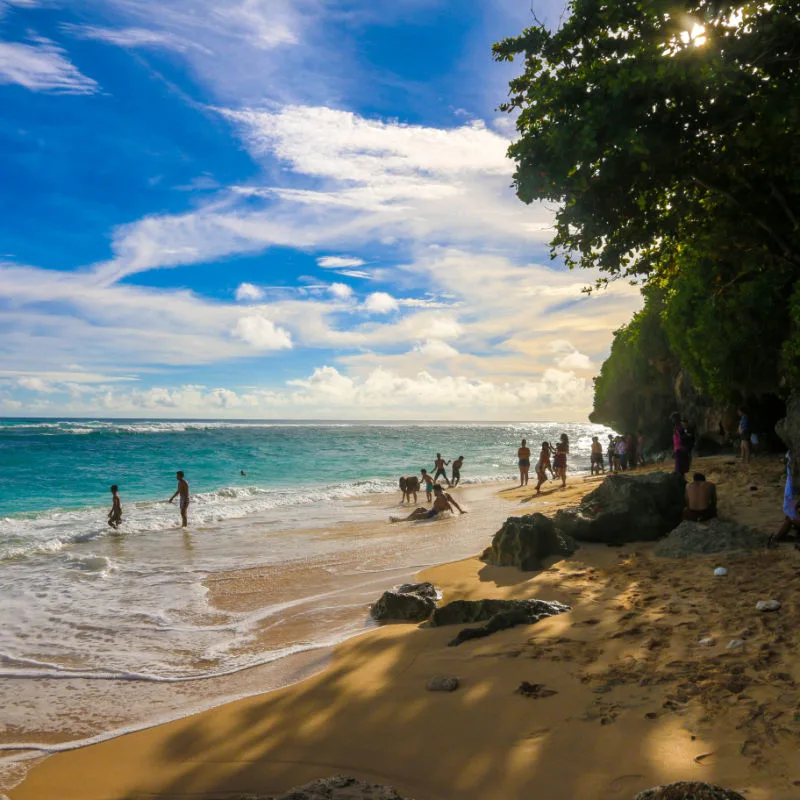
(115, 515)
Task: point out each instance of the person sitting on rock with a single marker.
(701, 499)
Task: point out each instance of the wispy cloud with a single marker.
(42, 67)
(133, 37)
(337, 262)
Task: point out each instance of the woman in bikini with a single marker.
(524, 456)
(560, 463)
(542, 465)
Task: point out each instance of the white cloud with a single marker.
(261, 333)
(131, 37)
(34, 384)
(569, 357)
(436, 350)
(338, 262)
(248, 293)
(341, 291)
(42, 67)
(380, 303)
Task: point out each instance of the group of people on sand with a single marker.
(441, 501)
(551, 459)
(624, 453)
(115, 515)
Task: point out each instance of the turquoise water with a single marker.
(104, 630)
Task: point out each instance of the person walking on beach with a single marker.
(621, 452)
(429, 484)
(611, 452)
(183, 491)
(564, 440)
(443, 502)
(439, 465)
(560, 462)
(597, 465)
(524, 460)
(115, 515)
(791, 507)
(680, 445)
(457, 464)
(744, 434)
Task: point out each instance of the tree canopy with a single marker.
(667, 133)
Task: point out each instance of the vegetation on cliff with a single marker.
(668, 135)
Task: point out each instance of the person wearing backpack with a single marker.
(744, 434)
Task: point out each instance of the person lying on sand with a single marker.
(442, 502)
(115, 515)
(701, 499)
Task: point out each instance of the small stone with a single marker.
(442, 683)
(767, 605)
(535, 690)
(734, 644)
(720, 572)
(651, 715)
(708, 641)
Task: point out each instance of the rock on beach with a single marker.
(525, 541)
(714, 536)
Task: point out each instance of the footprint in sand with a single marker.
(622, 786)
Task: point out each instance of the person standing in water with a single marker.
(457, 470)
(542, 465)
(439, 466)
(426, 477)
(183, 491)
(524, 459)
(597, 465)
(560, 462)
(115, 515)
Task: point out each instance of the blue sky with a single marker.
(277, 208)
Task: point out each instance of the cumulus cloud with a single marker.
(262, 333)
(34, 384)
(569, 357)
(341, 291)
(42, 67)
(436, 350)
(380, 303)
(248, 293)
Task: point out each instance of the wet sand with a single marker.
(638, 701)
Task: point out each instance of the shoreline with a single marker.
(465, 578)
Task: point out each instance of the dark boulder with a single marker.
(714, 536)
(688, 790)
(626, 508)
(524, 541)
(411, 602)
(498, 614)
(340, 787)
(422, 589)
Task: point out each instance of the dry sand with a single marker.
(638, 700)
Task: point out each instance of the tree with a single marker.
(667, 132)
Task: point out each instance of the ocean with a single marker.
(105, 631)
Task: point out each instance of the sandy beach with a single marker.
(637, 701)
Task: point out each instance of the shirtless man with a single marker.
(115, 515)
(443, 502)
(457, 464)
(439, 464)
(426, 477)
(183, 491)
(701, 499)
(524, 458)
(597, 465)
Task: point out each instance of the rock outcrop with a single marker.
(525, 541)
(498, 614)
(411, 602)
(626, 508)
(688, 790)
(339, 787)
(714, 536)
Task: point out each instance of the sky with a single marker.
(279, 209)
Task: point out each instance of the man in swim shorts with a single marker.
(426, 477)
(439, 464)
(457, 470)
(115, 515)
(443, 502)
(183, 491)
(524, 461)
(701, 499)
(597, 465)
